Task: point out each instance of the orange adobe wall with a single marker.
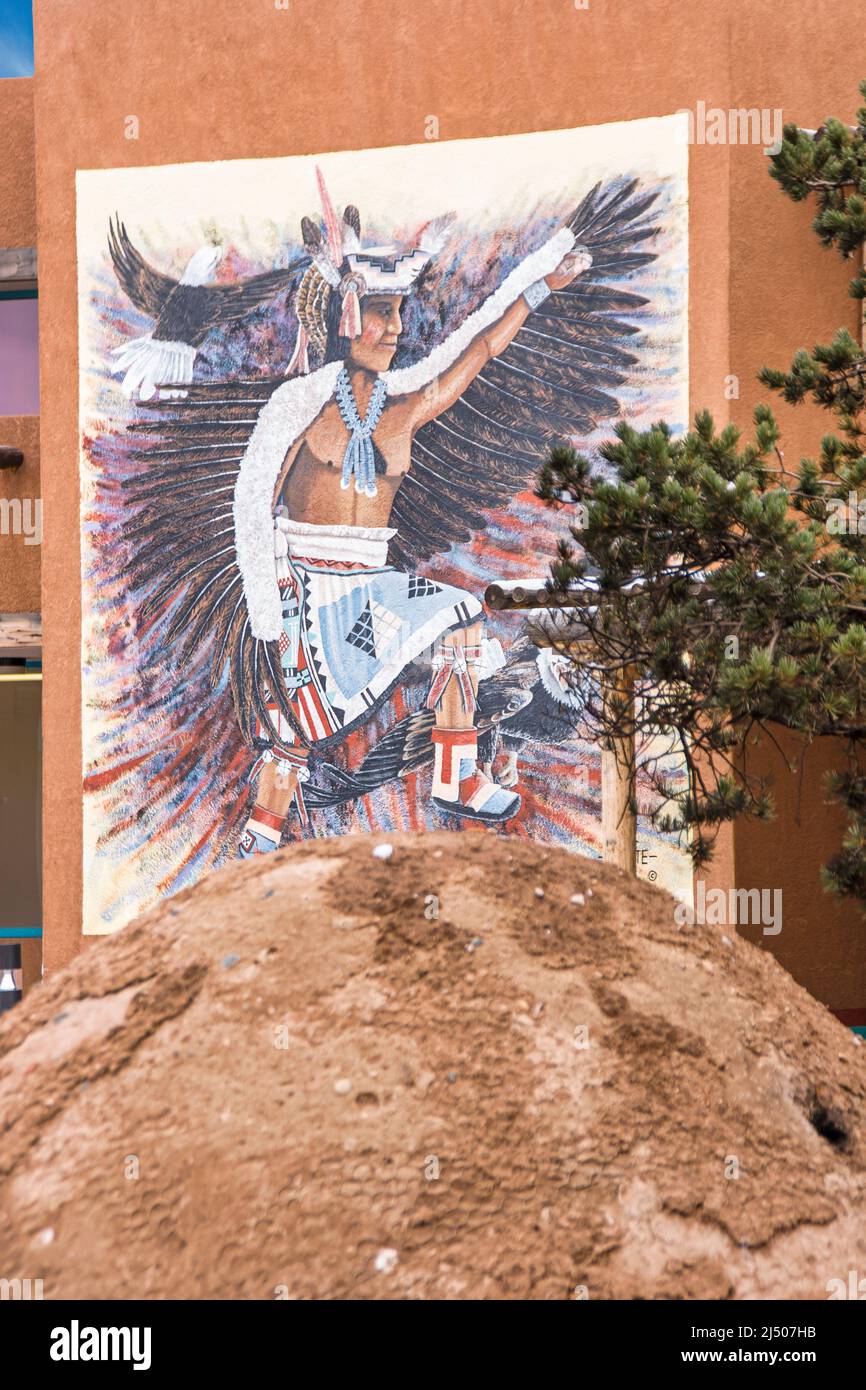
(212, 79)
(786, 292)
(17, 168)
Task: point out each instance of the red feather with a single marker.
(332, 225)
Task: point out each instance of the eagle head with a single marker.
(557, 677)
(202, 266)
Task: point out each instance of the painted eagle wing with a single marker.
(181, 543)
(557, 378)
(147, 287)
(229, 302)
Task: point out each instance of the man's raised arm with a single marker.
(488, 331)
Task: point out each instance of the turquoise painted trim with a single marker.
(20, 931)
(861, 1029)
(19, 294)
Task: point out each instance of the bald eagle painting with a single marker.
(184, 310)
(316, 394)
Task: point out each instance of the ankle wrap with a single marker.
(458, 662)
(288, 758)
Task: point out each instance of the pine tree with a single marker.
(730, 589)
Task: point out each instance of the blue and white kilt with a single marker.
(352, 623)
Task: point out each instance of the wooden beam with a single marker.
(505, 595)
(20, 631)
(17, 263)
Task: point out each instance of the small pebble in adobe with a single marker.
(385, 1261)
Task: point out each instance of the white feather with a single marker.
(351, 240)
(435, 234)
(326, 269)
(147, 363)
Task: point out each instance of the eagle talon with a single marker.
(510, 775)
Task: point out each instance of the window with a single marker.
(19, 355)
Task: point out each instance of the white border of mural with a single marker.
(253, 201)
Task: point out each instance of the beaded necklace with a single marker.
(358, 458)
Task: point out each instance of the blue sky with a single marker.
(16, 38)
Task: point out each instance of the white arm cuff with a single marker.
(536, 293)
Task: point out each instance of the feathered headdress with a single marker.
(340, 264)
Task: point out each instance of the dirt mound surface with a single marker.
(477, 1068)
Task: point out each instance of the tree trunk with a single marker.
(618, 819)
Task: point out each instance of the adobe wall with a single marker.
(17, 168)
(213, 80)
(787, 292)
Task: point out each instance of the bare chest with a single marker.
(311, 488)
(327, 439)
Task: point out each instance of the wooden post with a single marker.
(618, 820)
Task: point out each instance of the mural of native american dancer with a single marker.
(326, 620)
(287, 539)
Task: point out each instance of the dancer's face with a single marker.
(381, 326)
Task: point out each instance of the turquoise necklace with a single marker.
(358, 458)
